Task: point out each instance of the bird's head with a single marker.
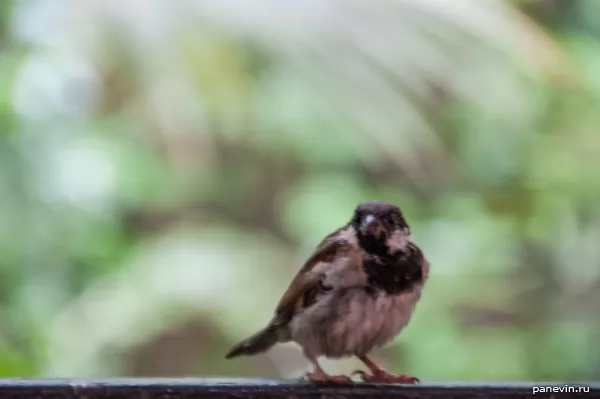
(380, 227)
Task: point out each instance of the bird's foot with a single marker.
(323, 378)
(385, 377)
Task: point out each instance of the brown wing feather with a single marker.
(302, 292)
(307, 283)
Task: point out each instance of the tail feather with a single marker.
(257, 343)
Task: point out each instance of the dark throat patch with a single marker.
(396, 272)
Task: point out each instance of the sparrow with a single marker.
(356, 292)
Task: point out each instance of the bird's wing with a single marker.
(308, 282)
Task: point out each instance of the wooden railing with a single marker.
(208, 388)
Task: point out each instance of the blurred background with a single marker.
(165, 168)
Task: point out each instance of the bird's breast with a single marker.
(350, 321)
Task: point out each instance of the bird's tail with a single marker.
(257, 343)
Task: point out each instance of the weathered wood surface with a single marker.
(208, 388)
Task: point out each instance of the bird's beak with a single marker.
(371, 226)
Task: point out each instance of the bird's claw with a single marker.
(384, 377)
(360, 373)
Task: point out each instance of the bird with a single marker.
(356, 292)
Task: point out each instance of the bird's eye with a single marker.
(390, 220)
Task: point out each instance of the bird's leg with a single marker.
(320, 376)
(381, 375)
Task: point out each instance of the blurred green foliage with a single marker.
(165, 168)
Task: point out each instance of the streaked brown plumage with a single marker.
(355, 293)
